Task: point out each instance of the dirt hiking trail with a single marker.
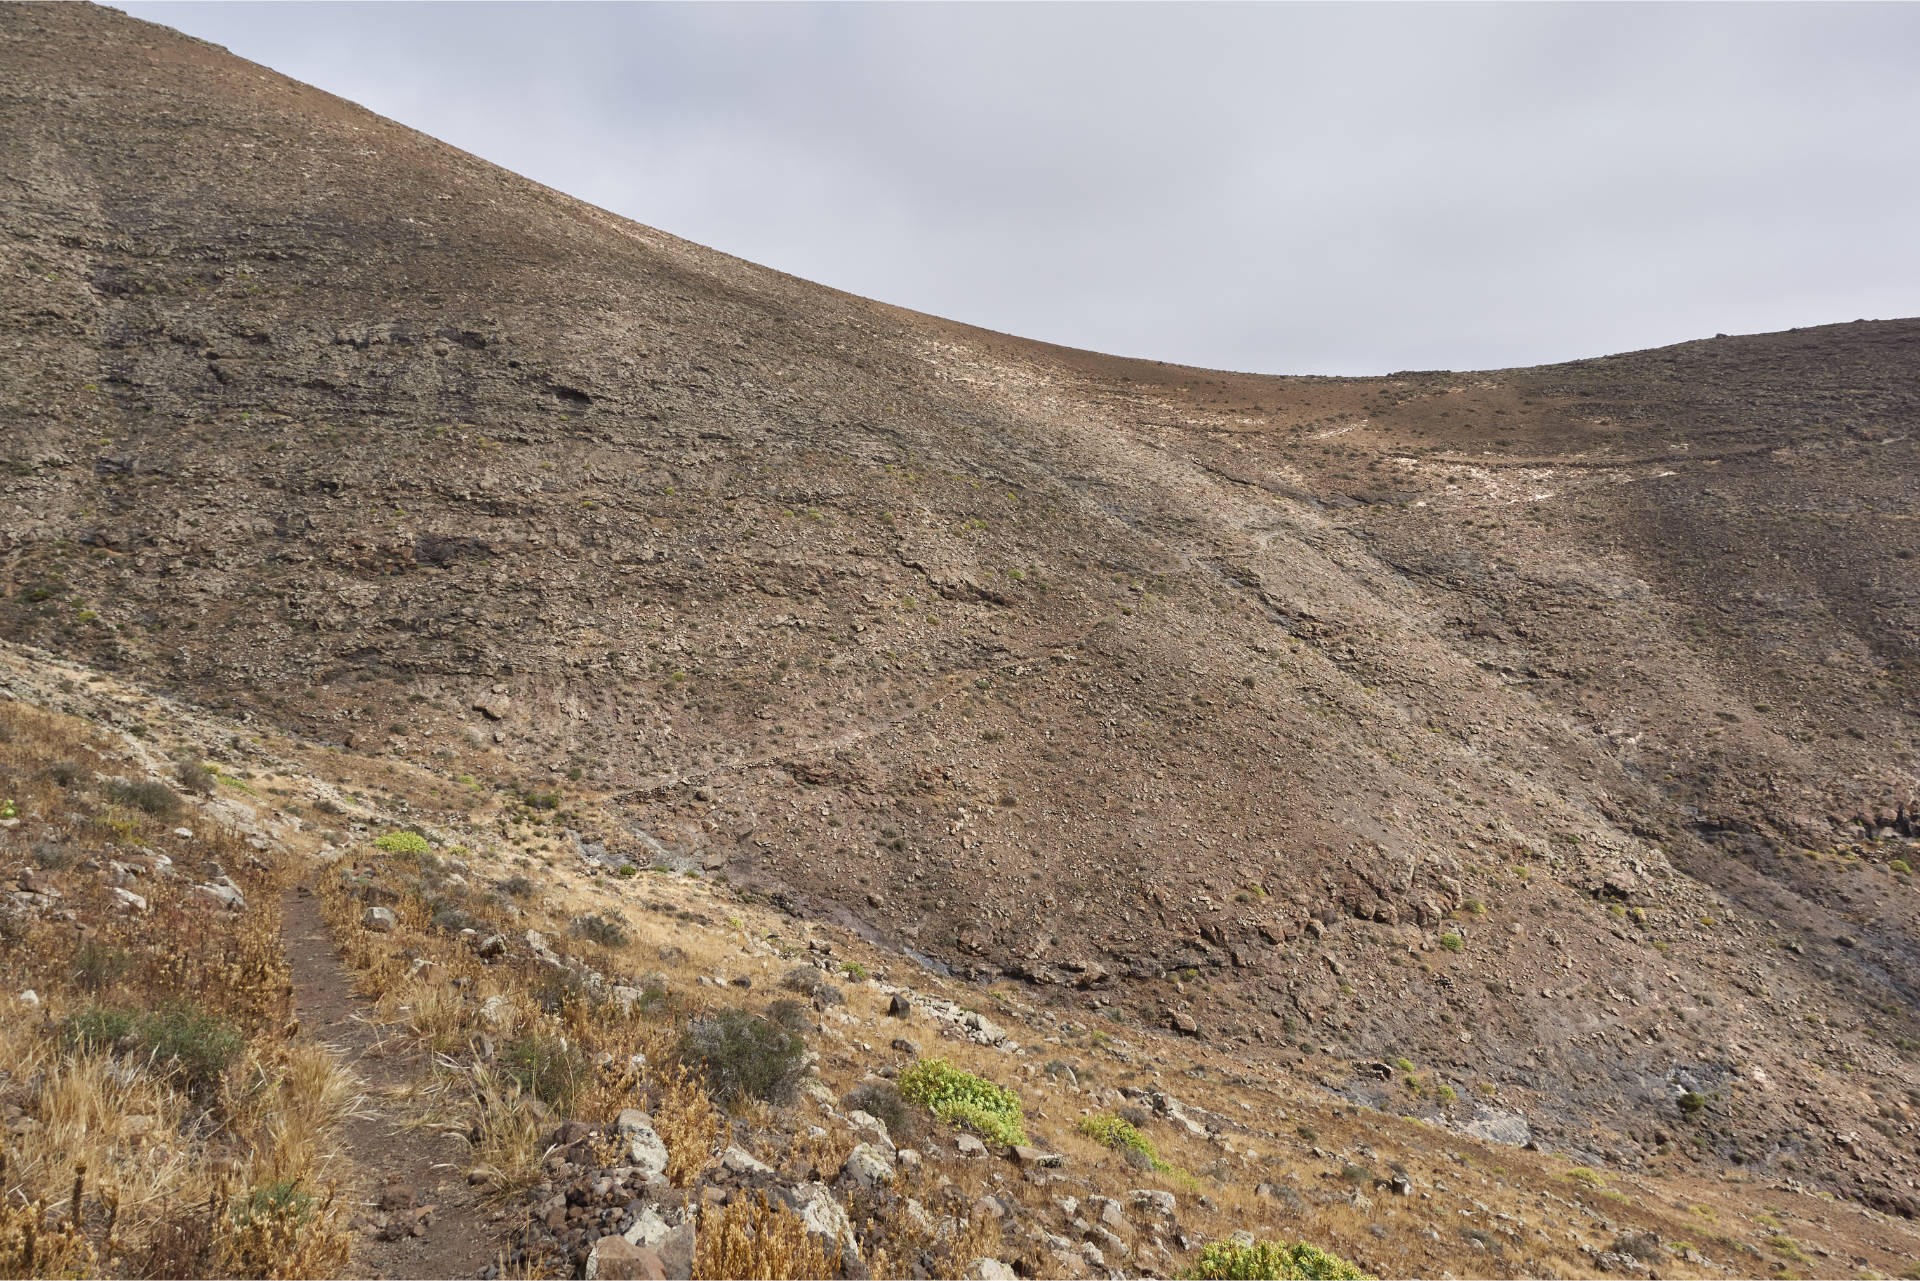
(412, 1178)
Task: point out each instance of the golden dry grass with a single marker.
(126, 1160)
(753, 1240)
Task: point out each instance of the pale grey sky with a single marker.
(1286, 188)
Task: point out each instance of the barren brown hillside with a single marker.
(1552, 729)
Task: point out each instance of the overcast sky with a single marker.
(1290, 189)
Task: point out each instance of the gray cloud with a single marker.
(1299, 189)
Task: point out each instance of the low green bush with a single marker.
(606, 929)
(1271, 1261)
(1114, 1132)
(96, 1028)
(807, 979)
(153, 798)
(742, 1055)
(178, 1038)
(1452, 942)
(402, 843)
(282, 1202)
(194, 776)
(198, 1045)
(960, 1098)
(98, 965)
(550, 1069)
(882, 1101)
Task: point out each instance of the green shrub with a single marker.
(1691, 1103)
(403, 843)
(1111, 1131)
(199, 1046)
(807, 979)
(792, 1015)
(99, 965)
(283, 1202)
(1900, 866)
(179, 1038)
(606, 929)
(1271, 1261)
(1452, 942)
(961, 1098)
(882, 1101)
(153, 798)
(194, 776)
(51, 855)
(742, 1055)
(97, 1028)
(550, 1069)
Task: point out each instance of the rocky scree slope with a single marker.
(1551, 726)
(486, 960)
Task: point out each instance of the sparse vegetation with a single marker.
(959, 1097)
(403, 842)
(883, 1102)
(744, 1056)
(1109, 1130)
(1271, 1261)
(546, 1067)
(148, 796)
(812, 982)
(194, 776)
(751, 1237)
(603, 928)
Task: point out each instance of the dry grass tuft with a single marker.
(687, 1122)
(755, 1241)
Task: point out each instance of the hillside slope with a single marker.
(1551, 727)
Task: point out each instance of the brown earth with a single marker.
(1553, 728)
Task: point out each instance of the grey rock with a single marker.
(380, 920)
(1151, 1199)
(871, 1127)
(225, 893)
(648, 1228)
(869, 1165)
(645, 1152)
(741, 1161)
(985, 1030)
(1496, 1126)
(824, 1217)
